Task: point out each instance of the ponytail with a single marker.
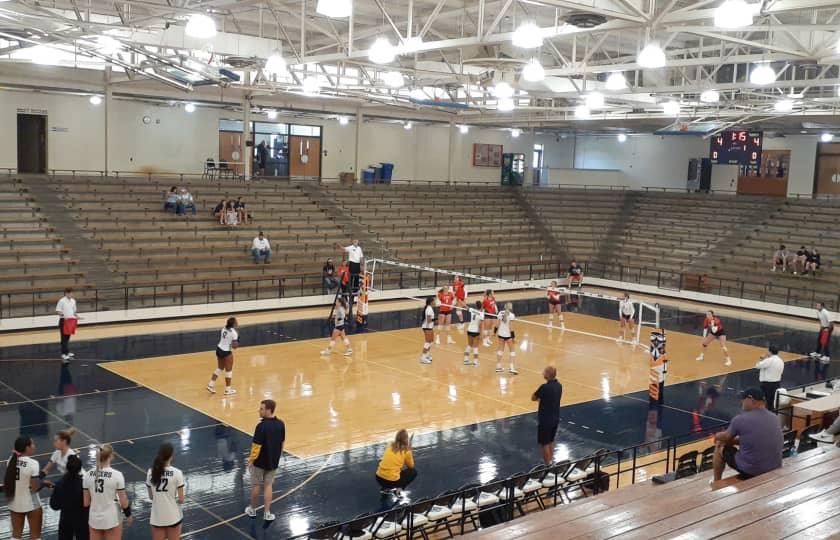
(9, 482)
(164, 454)
(66, 435)
(105, 453)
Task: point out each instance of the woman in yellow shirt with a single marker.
(396, 470)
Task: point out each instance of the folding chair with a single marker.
(686, 464)
(357, 529)
(384, 528)
(805, 441)
(419, 520)
(465, 506)
(440, 514)
(534, 485)
(521, 479)
(788, 442)
(707, 459)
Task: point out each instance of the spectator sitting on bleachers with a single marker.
(171, 201)
(758, 435)
(812, 264)
(781, 258)
(575, 274)
(330, 279)
(343, 274)
(261, 249)
(230, 215)
(185, 202)
(241, 212)
(802, 255)
(219, 211)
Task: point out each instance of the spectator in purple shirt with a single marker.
(758, 436)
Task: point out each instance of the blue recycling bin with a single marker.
(377, 173)
(368, 176)
(387, 172)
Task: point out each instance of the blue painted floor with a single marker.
(38, 397)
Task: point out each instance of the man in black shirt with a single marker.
(330, 279)
(548, 414)
(266, 449)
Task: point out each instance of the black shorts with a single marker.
(168, 526)
(546, 433)
(445, 313)
(511, 336)
(729, 453)
(719, 333)
(355, 268)
(340, 328)
(555, 302)
(473, 334)
(626, 317)
(222, 354)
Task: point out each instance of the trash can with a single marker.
(377, 172)
(387, 172)
(368, 175)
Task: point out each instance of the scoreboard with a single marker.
(737, 148)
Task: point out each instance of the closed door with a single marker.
(828, 175)
(305, 156)
(230, 151)
(32, 143)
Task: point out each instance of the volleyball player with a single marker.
(428, 328)
(460, 299)
(473, 332)
(165, 485)
(446, 299)
(626, 312)
(713, 330)
(21, 484)
(507, 337)
(105, 495)
(490, 311)
(555, 305)
(339, 318)
(61, 443)
(228, 341)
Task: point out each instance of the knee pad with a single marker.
(229, 374)
(217, 372)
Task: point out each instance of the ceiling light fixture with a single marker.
(407, 125)
(503, 90)
(826, 137)
(783, 105)
(95, 100)
(271, 114)
(505, 105)
(382, 52)
(533, 71)
(762, 74)
(189, 107)
(652, 56)
(200, 26)
(107, 45)
(394, 79)
(515, 132)
(671, 108)
(464, 129)
(343, 120)
(275, 64)
(734, 14)
(622, 137)
(709, 96)
(335, 9)
(616, 81)
(594, 100)
(582, 112)
(527, 36)
(311, 85)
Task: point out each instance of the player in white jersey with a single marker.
(21, 484)
(428, 327)
(228, 341)
(104, 493)
(61, 443)
(165, 485)
(507, 337)
(626, 312)
(339, 320)
(473, 333)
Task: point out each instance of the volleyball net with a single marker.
(394, 279)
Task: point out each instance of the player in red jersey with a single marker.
(460, 300)
(490, 309)
(713, 330)
(446, 300)
(555, 305)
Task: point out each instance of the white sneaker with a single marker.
(211, 388)
(425, 360)
(268, 516)
(814, 355)
(475, 362)
(71, 355)
(326, 352)
(773, 269)
(499, 369)
(513, 371)
(825, 359)
(450, 341)
(348, 352)
(229, 391)
(699, 358)
(823, 436)
(65, 359)
(619, 340)
(467, 361)
(728, 362)
(437, 340)
(250, 512)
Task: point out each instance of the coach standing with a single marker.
(824, 337)
(770, 369)
(356, 258)
(548, 413)
(266, 449)
(67, 319)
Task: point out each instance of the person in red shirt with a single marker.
(446, 301)
(555, 305)
(713, 330)
(460, 300)
(490, 309)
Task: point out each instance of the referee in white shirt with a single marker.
(66, 309)
(770, 369)
(356, 258)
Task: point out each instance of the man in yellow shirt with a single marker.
(396, 470)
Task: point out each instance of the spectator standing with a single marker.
(165, 486)
(770, 369)
(329, 276)
(548, 412)
(396, 469)
(262, 158)
(68, 498)
(356, 258)
(68, 318)
(186, 202)
(266, 450)
(171, 201)
(261, 249)
(823, 351)
(758, 435)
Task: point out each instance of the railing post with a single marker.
(125, 298)
(182, 294)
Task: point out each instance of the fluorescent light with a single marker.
(533, 71)
(709, 96)
(734, 14)
(394, 79)
(652, 56)
(783, 105)
(527, 36)
(582, 112)
(616, 81)
(382, 52)
(335, 9)
(515, 132)
(107, 45)
(271, 114)
(311, 85)
(407, 125)
(189, 107)
(275, 64)
(42, 55)
(505, 105)
(594, 100)
(502, 90)
(762, 74)
(200, 26)
(343, 120)
(464, 129)
(826, 137)
(671, 108)
(622, 137)
(95, 100)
